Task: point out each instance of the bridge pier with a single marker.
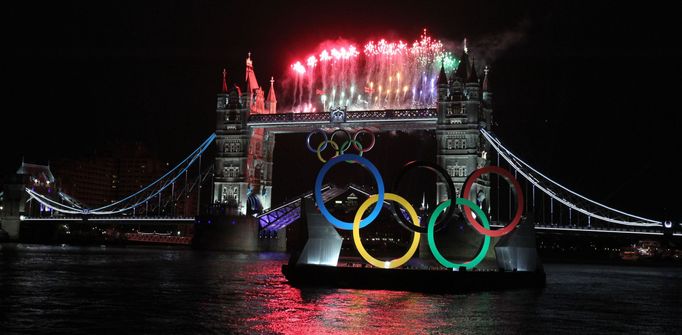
(235, 233)
(11, 225)
(14, 200)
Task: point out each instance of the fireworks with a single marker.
(385, 72)
(312, 61)
(298, 68)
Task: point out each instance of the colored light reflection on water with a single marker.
(133, 290)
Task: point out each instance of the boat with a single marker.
(318, 265)
(405, 279)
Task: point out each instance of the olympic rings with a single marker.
(307, 141)
(356, 231)
(519, 200)
(348, 137)
(340, 150)
(432, 243)
(318, 190)
(371, 143)
(442, 222)
(319, 151)
(435, 221)
(346, 145)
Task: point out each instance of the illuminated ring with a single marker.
(442, 222)
(307, 141)
(371, 144)
(519, 200)
(331, 137)
(432, 242)
(346, 145)
(357, 225)
(319, 150)
(318, 190)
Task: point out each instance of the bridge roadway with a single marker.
(189, 220)
(116, 219)
(394, 119)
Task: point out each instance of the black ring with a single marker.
(442, 221)
(340, 130)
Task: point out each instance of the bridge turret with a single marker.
(271, 103)
(462, 72)
(485, 88)
(461, 149)
(255, 96)
(472, 87)
(232, 140)
(223, 96)
(442, 84)
(487, 101)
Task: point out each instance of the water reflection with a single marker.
(118, 290)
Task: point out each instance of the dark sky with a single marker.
(588, 92)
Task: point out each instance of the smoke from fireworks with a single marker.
(386, 74)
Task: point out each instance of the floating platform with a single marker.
(417, 280)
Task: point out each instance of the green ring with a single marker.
(344, 147)
(432, 243)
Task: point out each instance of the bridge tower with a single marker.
(461, 112)
(460, 147)
(230, 185)
(243, 163)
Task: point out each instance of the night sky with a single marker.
(586, 92)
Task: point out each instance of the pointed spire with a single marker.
(485, 79)
(442, 77)
(251, 82)
(473, 76)
(463, 67)
(271, 93)
(224, 80)
(272, 99)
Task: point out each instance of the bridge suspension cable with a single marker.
(140, 197)
(601, 212)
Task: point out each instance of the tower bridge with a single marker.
(246, 127)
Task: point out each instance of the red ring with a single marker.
(366, 131)
(519, 200)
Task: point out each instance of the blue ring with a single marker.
(318, 190)
(307, 141)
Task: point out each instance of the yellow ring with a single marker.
(356, 232)
(334, 146)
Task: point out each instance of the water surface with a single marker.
(85, 290)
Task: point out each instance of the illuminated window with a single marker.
(233, 146)
(457, 171)
(451, 170)
(462, 171)
(231, 171)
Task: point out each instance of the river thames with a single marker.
(86, 290)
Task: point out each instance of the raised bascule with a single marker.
(351, 92)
